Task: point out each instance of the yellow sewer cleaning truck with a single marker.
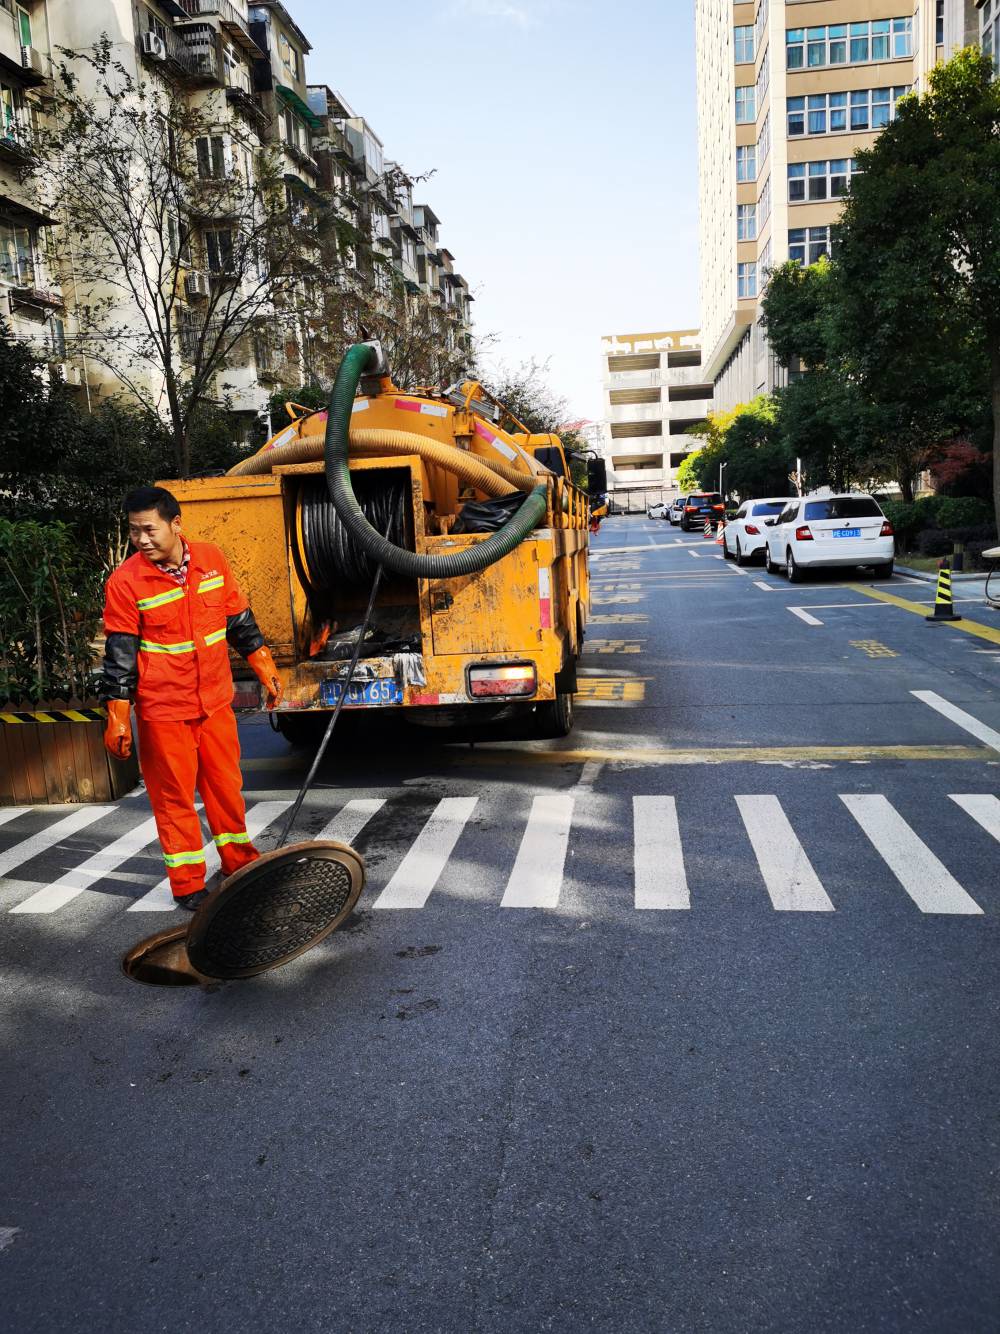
(482, 540)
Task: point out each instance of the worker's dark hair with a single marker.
(152, 498)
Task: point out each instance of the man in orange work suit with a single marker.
(171, 612)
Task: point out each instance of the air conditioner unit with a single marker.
(196, 284)
(154, 46)
(31, 58)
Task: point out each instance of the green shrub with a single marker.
(50, 610)
(962, 511)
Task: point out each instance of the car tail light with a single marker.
(690, 509)
(751, 529)
(803, 534)
(886, 529)
(718, 507)
(503, 680)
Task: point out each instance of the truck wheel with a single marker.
(554, 717)
(303, 730)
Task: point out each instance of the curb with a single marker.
(930, 577)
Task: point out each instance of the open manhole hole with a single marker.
(263, 916)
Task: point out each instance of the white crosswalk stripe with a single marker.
(536, 879)
(347, 824)
(662, 859)
(51, 837)
(984, 809)
(421, 868)
(160, 899)
(660, 881)
(927, 881)
(95, 868)
(791, 882)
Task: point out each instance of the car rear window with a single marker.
(706, 497)
(843, 507)
(769, 507)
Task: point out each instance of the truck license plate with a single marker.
(384, 691)
(847, 532)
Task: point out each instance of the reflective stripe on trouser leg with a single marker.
(168, 753)
(220, 784)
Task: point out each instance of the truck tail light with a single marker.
(886, 529)
(803, 534)
(751, 528)
(503, 680)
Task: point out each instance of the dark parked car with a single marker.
(699, 506)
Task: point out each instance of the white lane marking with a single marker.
(7, 1235)
(983, 809)
(50, 837)
(695, 554)
(768, 588)
(928, 882)
(660, 880)
(88, 873)
(537, 876)
(348, 823)
(792, 884)
(718, 555)
(421, 868)
(959, 716)
(160, 899)
(804, 615)
(12, 812)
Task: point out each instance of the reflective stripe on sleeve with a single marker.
(222, 839)
(184, 858)
(150, 646)
(215, 636)
(207, 585)
(160, 599)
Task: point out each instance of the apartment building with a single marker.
(242, 63)
(788, 92)
(655, 389)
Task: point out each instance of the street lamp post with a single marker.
(721, 466)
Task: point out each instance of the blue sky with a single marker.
(562, 136)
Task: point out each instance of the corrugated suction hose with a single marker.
(360, 360)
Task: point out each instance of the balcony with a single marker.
(16, 143)
(633, 379)
(230, 20)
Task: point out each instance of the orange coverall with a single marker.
(187, 729)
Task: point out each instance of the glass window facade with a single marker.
(832, 113)
(848, 44)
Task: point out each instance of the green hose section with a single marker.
(360, 360)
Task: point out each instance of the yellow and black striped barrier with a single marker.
(944, 609)
(54, 716)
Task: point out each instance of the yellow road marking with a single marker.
(613, 646)
(628, 691)
(620, 599)
(618, 620)
(873, 648)
(923, 609)
(727, 755)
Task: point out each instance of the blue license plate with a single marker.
(847, 532)
(385, 691)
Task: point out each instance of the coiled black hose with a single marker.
(361, 360)
(335, 559)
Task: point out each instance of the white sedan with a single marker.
(745, 536)
(831, 531)
(658, 511)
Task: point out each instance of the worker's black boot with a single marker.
(191, 902)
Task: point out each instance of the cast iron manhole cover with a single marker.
(274, 909)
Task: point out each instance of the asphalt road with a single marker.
(688, 1022)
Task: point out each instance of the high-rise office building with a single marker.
(788, 91)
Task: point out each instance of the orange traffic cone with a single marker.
(708, 527)
(719, 539)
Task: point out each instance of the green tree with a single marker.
(749, 442)
(687, 473)
(918, 268)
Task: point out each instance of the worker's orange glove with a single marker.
(118, 733)
(267, 674)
